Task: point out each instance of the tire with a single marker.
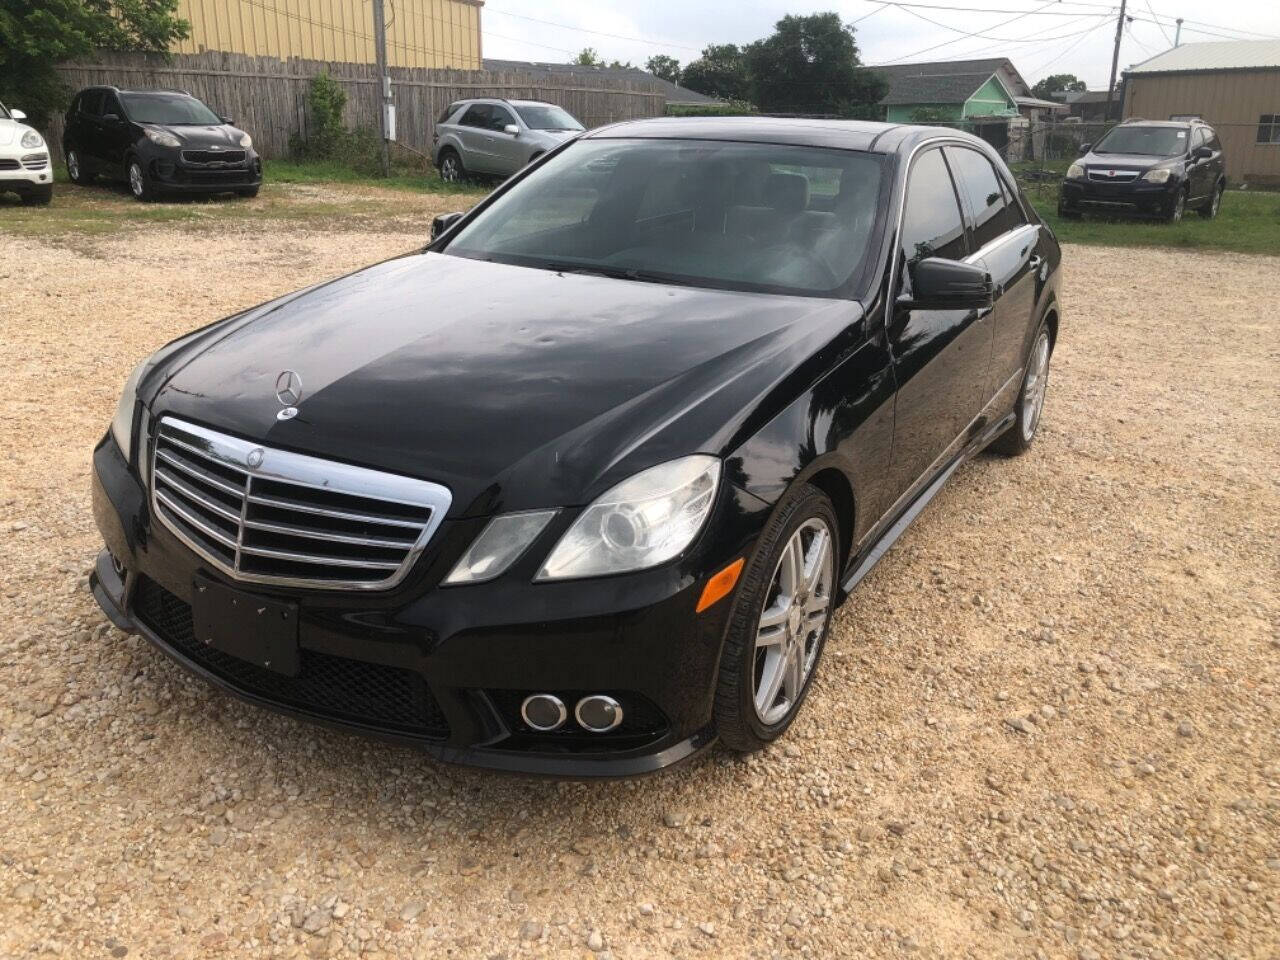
(1179, 207)
(76, 171)
(140, 184)
(1210, 209)
(38, 198)
(1029, 406)
(248, 192)
(451, 169)
(804, 515)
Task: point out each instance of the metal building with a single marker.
(1233, 85)
(420, 33)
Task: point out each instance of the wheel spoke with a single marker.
(815, 567)
(772, 629)
(775, 669)
(793, 672)
(816, 607)
(792, 566)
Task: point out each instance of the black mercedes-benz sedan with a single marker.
(577, 488)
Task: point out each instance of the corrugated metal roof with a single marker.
(1226, 55)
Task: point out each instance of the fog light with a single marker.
(598, 713)
(544, 712)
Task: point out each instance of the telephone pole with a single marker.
(384, 84)
(1115, 61)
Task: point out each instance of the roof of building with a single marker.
(1223, 55)
(672, 91)
(1055, 105)
(946, 81)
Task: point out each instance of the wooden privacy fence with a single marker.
(268, 97)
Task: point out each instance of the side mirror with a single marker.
(512, 129)
(443, 224)
(111, 118)
(939, 284)
(1202, 153)
(1084, 148)
(17, 114)
(228, 121)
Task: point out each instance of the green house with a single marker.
(953, 90)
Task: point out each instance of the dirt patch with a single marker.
(1046, 726)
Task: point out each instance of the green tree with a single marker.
(720, 72)
(668, 68)
(619, 65)
(1058, 81)
(811, 65)
(36, 35)
(588, 57)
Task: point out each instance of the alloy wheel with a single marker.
(790, 629)
(1034, 388)
(136, 183)
(73, 166)
(449, 169)
(1215, 203)
(1178, 206)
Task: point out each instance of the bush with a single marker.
(327, 138)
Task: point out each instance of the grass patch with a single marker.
(402, 177)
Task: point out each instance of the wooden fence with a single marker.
(268, 97)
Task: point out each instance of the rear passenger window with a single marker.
(448, 112)
(931, 223)
(91, 103)
(992, 214)
(477, 116)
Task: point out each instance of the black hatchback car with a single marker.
(577, 488)
(157, 141)
(1148, 168)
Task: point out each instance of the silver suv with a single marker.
(497, 137)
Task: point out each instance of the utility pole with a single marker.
(1177, 37)
(384, 84)
(1115, 61)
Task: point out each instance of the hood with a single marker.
(554, 137)
(217, 137)
(1124, 161)
(12, 132)
(514, 387)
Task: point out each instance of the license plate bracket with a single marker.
(256, 629)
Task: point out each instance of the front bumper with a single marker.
(171, 173)
(31, 171)
(1134, 198)
(445, 669)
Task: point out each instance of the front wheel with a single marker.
(779, 622)
(1210, 209)
(76, 172)
(1175, 212)
(139, 183)
(1030, 405)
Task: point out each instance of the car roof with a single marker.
(168, 90)
(863, 135)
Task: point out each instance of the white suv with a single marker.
(24, 159)
(494, 137)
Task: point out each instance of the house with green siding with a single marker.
(953, 90)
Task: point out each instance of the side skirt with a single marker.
(877, 550)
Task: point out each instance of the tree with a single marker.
(664, 67)
(36, 35)
(811, 65)
(1047, 87)
(588, 57)
(619, 65)
(720, 72)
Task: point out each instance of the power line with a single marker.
(1079, 40)
(947, 43)
(1163, 31)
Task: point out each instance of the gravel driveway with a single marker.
(1046, 726)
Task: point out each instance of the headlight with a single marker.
(31, 139)
(246, 141)
(499, 545)
(640, 523)
(1075, 172)
(1158, 175)
(122, 422)
(162, 137)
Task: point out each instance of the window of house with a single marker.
(1269, 128)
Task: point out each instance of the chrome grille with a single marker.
(35, 161)
(1101, 174)
(270, 516)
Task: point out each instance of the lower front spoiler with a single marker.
(108, 590)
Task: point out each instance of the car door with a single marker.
(1006, 245)
(1218, 162)
(88, 129)
(115, 134)
(508, 150)
(938, 355)
(473, 132)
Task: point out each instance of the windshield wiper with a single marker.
(616, 273)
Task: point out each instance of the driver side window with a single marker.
(932, 225)
(499, 118)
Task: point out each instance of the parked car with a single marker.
(1148, 168)
(158, 142)
(497, 137)
(24, 159)
(576, 489)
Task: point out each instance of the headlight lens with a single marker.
(31, 139)
(1158, 175)
(499, 545)
(1075, 171)
(163, 137)
(122, 422)
(246, 141)
(642, 522)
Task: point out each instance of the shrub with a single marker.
(327, 138)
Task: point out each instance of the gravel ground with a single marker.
(1046, 726)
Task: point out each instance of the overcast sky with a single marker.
(1077, 39)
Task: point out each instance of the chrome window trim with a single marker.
(309, 472)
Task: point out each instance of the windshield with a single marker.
(745, 216)
(1144, 141)
(167, 108)
(546, 116)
